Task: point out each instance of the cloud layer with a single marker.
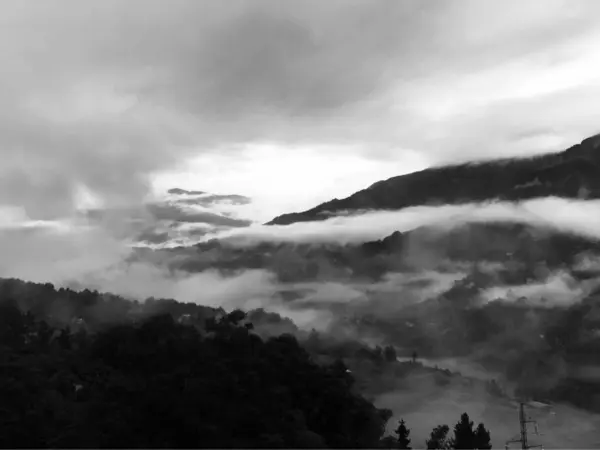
(580, 217)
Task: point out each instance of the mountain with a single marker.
(573, 173)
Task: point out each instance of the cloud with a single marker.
(164, 222)
(143, 280)
(368, 297)
(175, 213)
(104, 96)
(212, 199)
(571, 216)
(87, 256)
(153, 236)
(179, 191)
(560, 289)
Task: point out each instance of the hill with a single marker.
(573, 173)
(74, 376)
(85, 369)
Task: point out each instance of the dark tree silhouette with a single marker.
(403, 435)
(482, 438)
(438, 438)
(463, 433)
(467, 438)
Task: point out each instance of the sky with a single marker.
(108, 103)
(288, 102)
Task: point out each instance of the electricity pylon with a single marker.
(523, 421)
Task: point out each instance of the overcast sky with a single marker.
(289, 102)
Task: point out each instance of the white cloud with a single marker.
(560, 289)
(581, 217)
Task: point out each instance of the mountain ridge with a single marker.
(572, 173)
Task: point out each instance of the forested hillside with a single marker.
(82, 369)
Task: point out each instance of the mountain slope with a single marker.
(574, 173)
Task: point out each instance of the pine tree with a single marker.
(464, 437)
(482, 438)
(403, 433)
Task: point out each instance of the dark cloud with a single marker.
(178, 191)
(171, 212)
(202, 198)
(152, 236)
(212, 199)
(174, 233)
(165, 212)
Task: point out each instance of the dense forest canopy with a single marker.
(83, 369)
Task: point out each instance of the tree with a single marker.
(482, 438)
(467, 438)
(403, 433)
(438, 439)
(464, 436)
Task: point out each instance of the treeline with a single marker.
(464, 436)
(90, 370)
(94, 310)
